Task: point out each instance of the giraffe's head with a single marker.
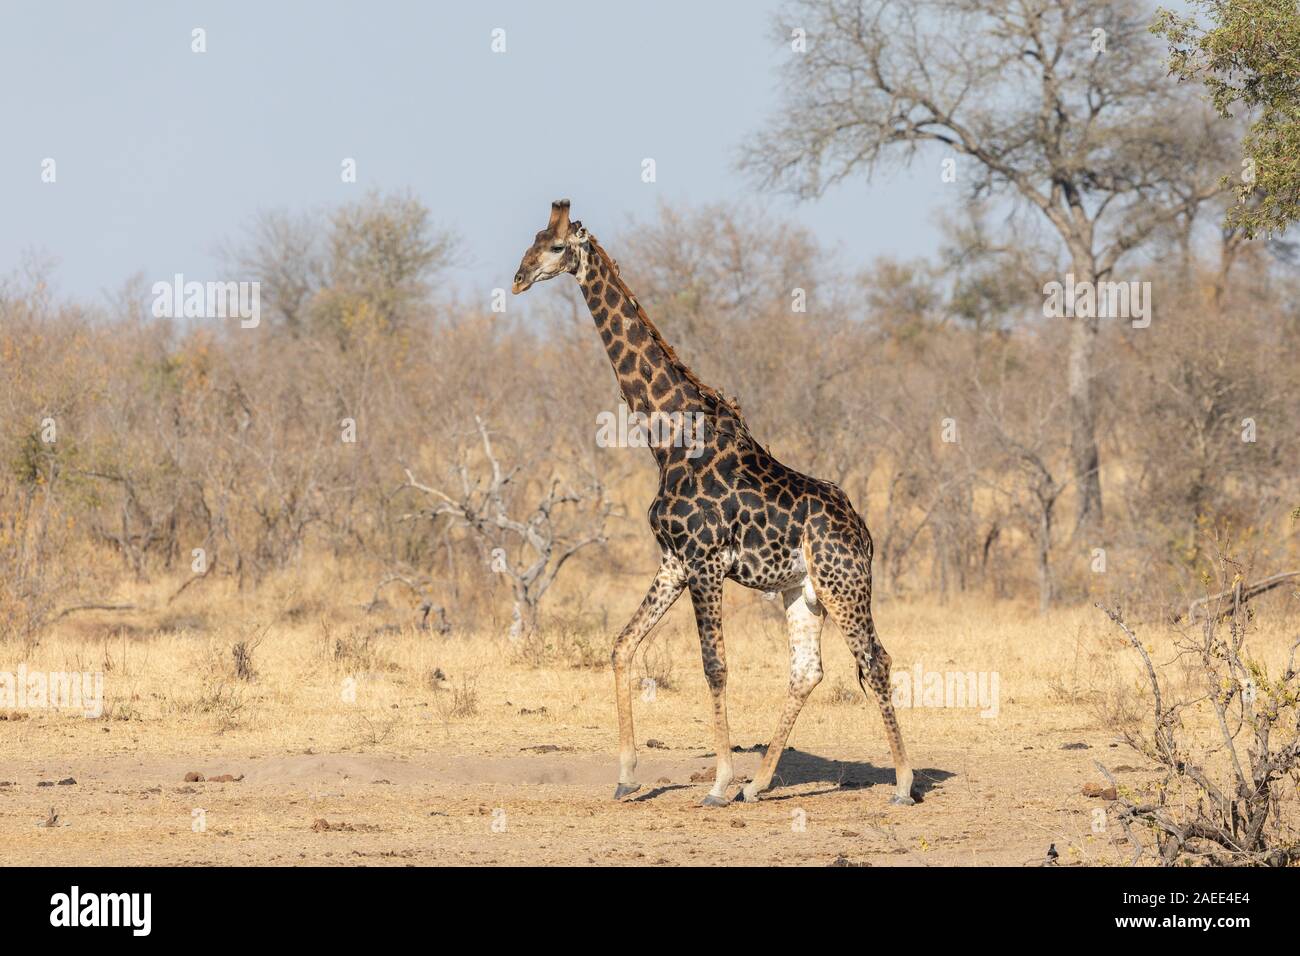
(555, 250)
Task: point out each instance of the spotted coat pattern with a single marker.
(725, 509)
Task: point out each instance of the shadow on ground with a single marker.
(798, 766)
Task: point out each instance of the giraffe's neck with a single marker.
(655, 383)
(650, 376)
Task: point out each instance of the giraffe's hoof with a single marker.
(746, 796)
(714, 801)
(623, 789)
(901, 801)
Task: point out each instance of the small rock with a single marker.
(1075, 746)
(67, 782)
(655, 744)
(664, 780)
(226, 778)
(702, 776)
(737, 824)
(1100, 790)
(843, 860)
(193, 777)
(320, 825)
(45, 783)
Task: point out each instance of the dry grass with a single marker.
(251, 680)
(328, 679)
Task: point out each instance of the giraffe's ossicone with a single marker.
(725, 509)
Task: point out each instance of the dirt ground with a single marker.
(993, 808)
(354, 744)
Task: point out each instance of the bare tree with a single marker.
(1062, 105)
(1023, 434)
(528, 551)
(282, 251)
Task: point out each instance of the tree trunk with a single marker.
(1084, 457)
(523, 619)
(1045, 588)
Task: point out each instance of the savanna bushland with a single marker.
(368, 557)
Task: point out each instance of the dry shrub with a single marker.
(843, 694)
(374, 731)
(223, 700)
(1228, 747)
(242, 657)
(225, 668)
(657, 665)
(350, 648)
(455, 698)
(562, 645)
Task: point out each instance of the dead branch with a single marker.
(528, 549)
(92, 607)
(1224, 823)
(1239, 593)
(194, 579)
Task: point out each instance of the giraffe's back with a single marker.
(742, 500)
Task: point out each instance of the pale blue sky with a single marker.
(163, 153)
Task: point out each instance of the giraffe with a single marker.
(725, 509)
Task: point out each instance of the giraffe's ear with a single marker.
(559, 224)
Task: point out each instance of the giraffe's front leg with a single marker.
(706, 594)
(668, 585)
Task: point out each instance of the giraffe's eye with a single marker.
(557, 248)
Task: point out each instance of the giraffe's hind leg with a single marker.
(804, 622)
(840, 569)
(873, 671)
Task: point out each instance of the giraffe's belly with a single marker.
(778, 571)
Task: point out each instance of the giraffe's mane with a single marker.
(708, 391)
